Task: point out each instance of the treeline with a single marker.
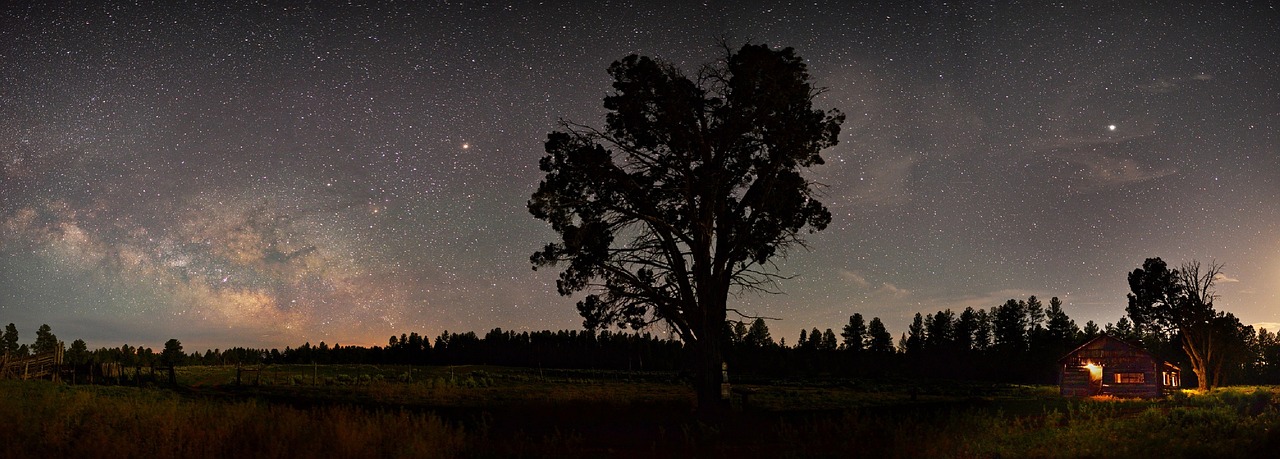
(550, 349)
(1017, 341)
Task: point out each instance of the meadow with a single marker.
(479, 411)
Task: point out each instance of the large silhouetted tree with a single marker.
(688, 193)
(1178, 304)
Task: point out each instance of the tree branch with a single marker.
(745, 316)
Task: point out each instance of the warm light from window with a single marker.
(1095, 371)
(1131, 378)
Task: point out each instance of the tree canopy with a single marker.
(691, 189)
(46, 341)
(172, 353)
(1177, 305)
(9, 341)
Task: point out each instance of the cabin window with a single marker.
(1131, 378)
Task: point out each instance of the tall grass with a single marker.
(43, 419)
(533, 417)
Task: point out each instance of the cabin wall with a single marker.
(1126, 371)
(1149, 387)
(1074, 382)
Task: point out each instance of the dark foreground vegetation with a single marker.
(470, 411)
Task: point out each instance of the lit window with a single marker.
(1131, 378)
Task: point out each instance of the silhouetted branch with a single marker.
(745, 316)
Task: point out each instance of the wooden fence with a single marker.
(40, 366)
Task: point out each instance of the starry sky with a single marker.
(240, 174)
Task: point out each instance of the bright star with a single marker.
(1111, 127)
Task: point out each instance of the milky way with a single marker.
(239, 174)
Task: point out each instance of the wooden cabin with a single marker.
(1110, 366)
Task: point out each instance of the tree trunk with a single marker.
(708, 357)
(1202, 379)
(1198, 364)
(708, 363)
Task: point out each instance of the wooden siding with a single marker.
(1109, 357)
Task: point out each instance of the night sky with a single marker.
(248, 175)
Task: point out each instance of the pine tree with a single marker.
(855, 333)
(9, 342)
(1091, 329)
(172, 353)
(915, 338)
(1035, 314)
(1061, 329)
(879, 339)
(940, 330)
(758, 335)
(966, 326)
(982, 333)
(815, 339)
(46, 341)
(1010, 326)
(829, 342)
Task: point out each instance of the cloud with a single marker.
(883, 289)
(1171, 84)
(893, 290)
(1105, 171)
(1222, 278)
(1102, 158)
(1270, 326)
(855, 278)
(1160, 86)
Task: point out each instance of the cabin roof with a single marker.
(1110, 339)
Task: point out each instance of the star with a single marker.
(335, 167)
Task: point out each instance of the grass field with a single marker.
(472, 411)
